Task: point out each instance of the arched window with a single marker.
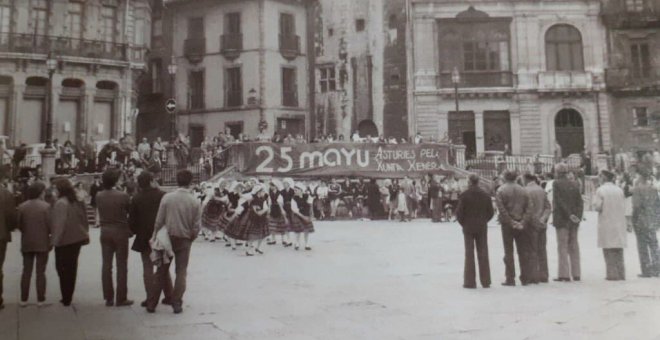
(563, 49)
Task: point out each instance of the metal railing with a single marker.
(289, 44)
(231, 42)
(62, 46)
(629, 77)
(194, 47)
(477, 79)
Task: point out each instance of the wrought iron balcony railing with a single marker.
(477, 79)
(631, 78)
(64, 46)
(231, 42)
(289, 46)
(194, 49)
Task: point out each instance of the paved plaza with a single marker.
(362, 280)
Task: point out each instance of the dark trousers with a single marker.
(478, 239)
(149, 277)
(114, 244)
(28, 265)
(614, 264)
(647, 247)
(66, 264)
(542, 254)
(520, 237)
(436, 209)
(181, 248)
(3, 250)
(532, 255)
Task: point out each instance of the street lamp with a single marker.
(456, 79)
(51, 65)
(171, 69)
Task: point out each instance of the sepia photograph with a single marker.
(329, 169)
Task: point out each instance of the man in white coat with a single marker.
(609, 202)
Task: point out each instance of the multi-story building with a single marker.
(242, 66)
(99, 46)
(633, 73)
(531, 74)
(361, 67)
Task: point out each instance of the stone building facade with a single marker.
(532, 75)
(361, 67)
(100, 46)
(242, 66)
(633, 73)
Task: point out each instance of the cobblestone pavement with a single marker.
(362, 280)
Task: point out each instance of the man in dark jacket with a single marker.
(7, 224)
(475, 209)
(142, 216)
(513, 207)
(566, 217)
(539, 213)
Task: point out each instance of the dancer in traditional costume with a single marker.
(214, 208)
(277, 221)
(237, 220)
(256, 226)
(287, 196)
(301, 216)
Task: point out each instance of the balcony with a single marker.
(625, 79)
(231, 45)
(289, 46)
(622, 19)
(194, 49)
(290, 99)
(565, 81)
(477, 79)
(62, 46)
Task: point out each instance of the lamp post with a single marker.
(455, 79)
(51, 65)
(48, 153)
(171, 69)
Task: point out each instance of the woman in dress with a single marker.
(256, 226)
(287, 196)
(211, 215)
(394, 193)
(301, 216)
(277, 222)
(235, 212)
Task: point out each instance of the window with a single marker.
(563, 49)
(74, 20)
(108, 22)
(5, 18)
(640, 60)
(287, 25)
(157, 28)
(234, 86)
(140, 32)
(289, 87)
(196, 28)
(39, 17)
(233, 25)
(196, 85)
(327, 80)
(156, 69)
(359, 25)
(640, 117)
(635, 5)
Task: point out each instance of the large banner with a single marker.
(344, 159)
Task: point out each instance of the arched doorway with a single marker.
(367, 128)
(569, 132)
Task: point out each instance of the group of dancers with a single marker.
(247, 212)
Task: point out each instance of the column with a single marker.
(14, 107)
(87, 112)
(479, 131)
(443, 124)
(514, 118)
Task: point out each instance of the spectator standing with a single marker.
(566, 216)
(70, 231)
(513, 206)
(180, 213)
(113, 208)
(646, 206)
(540, 211)
(144, 149)
(7, 224)
(34, 224)
(475, 209)
(609, 203)
(142, 217)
